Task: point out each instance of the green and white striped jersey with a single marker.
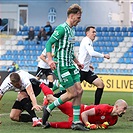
(63, 39)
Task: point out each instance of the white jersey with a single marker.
(86, 51)
(43, 64)
(7, 86)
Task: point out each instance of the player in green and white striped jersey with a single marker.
(63, 65)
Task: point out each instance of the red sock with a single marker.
(61, 124)
(45, 89)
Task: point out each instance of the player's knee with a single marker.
(100, 85)
(72, 95)
(80, 91)
(14, 118)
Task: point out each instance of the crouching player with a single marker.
(93, 116)
(28, 88)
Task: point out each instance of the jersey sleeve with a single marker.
(58, 33)
(91, 50)
(44, 52)
(6, 86)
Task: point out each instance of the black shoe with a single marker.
(79, 126)
(45, 115)
(47, 125)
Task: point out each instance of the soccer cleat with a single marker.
(47, 125)
(79, 126)
(45, 115)
(36, 123)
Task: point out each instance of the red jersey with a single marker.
(102, 114)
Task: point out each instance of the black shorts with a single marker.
(17, 105)
(41, 71)
(87, 76)
(35, 85)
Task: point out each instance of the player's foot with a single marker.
(45, 115)
(36, 123)
(47, 125)
(79, 126)
(40, 119)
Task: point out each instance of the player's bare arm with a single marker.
(80, 66)
(51, 63)
(43, 58)
(33, 98)
(84, 116)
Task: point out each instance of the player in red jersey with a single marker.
(93, 116)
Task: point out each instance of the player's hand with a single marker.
(37, 107)
(91, 67)
(104, 125)
(52, 64)
(91, 126)
(80, 66)
(107, 56)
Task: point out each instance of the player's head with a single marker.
(120, 107)
(15, 80)
(74, 14)
(91, 32)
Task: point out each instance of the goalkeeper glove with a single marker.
(104, 125)
(91, 126)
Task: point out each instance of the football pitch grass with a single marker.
(124, 124)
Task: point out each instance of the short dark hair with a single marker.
(88, 28)
(14, 77)
(74, 9)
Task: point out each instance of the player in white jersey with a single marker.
(28, 88)
(86, 52)
(44, 68)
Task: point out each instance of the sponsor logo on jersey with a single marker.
(71, 39)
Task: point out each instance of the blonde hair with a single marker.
(74, 9)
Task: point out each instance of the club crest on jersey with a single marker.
(103, 117)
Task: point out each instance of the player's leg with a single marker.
(63, 124)
(92, 78)
(50, 78)
(98, 94)
(65, 97)
(26, 104)
(16, 113)
(73, 91)
(77, 124)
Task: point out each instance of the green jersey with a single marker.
(63, 39)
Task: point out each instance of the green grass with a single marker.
(124, 125)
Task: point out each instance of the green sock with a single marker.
(54, 104)
(76, 113)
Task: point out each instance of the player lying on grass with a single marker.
(28, 88)
(93, 116)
